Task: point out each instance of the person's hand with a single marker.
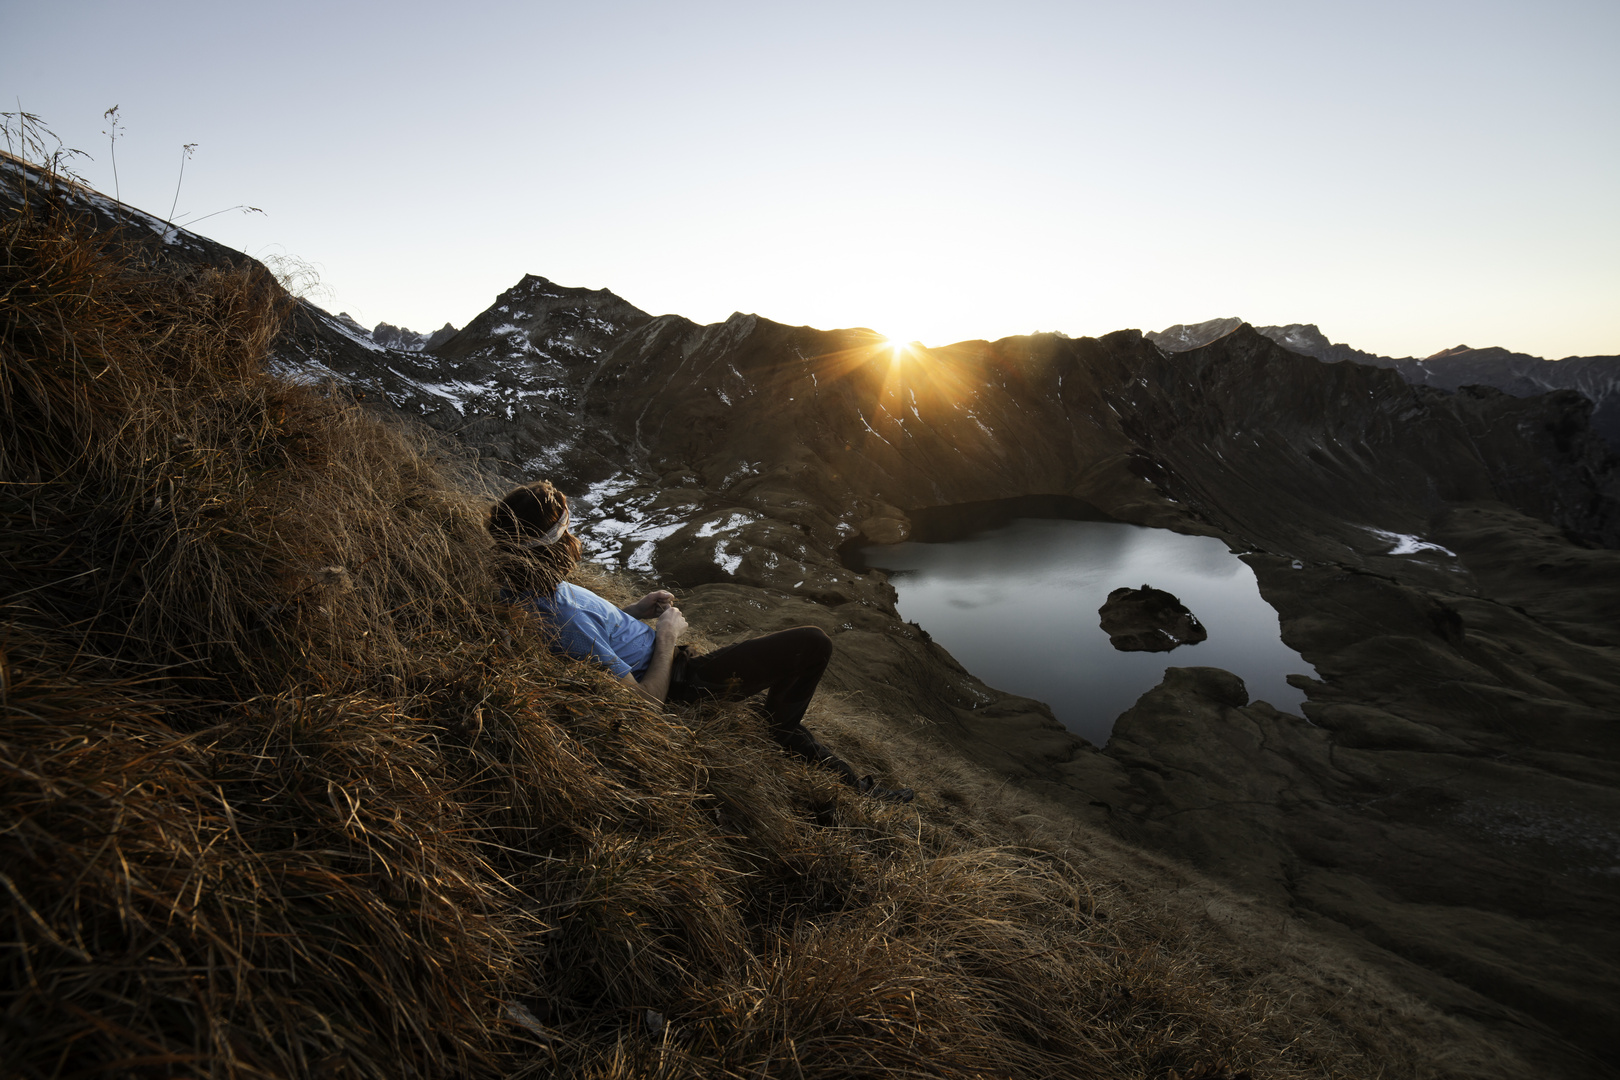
(671, 622)
(651, 606)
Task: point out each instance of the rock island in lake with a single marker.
(1149, 620)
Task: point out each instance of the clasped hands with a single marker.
(660, 605)
(651, 606)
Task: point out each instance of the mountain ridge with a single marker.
(1597, 378)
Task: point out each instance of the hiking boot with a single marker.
(869, 786)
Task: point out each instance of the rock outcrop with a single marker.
(1149, 620)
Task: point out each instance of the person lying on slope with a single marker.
(530, 525)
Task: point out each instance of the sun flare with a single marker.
(900, 346)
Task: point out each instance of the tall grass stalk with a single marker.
(185, 155)
(112, 131)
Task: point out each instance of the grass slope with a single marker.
(284, 791)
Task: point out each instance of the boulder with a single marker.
(1149, 620)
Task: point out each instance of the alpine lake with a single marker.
(1012, 589)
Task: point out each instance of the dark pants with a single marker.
(786, 665)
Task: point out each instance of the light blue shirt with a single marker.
(590, 628)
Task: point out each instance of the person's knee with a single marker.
(814, 641)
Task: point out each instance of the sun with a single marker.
(901, 346)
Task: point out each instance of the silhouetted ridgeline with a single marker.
(1596, 378)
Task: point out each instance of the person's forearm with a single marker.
(655, 681)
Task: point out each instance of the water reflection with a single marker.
(1017, 605)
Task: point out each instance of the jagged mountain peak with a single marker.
(1184, 336)
(539, 318)
(532, 288)
(1305, 338)
(398, 337)
(1493, 353)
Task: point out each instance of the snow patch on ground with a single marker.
(747, 468)
(73, 194)
(730, 524)
(1404, 544)
(725, 559)
(547, 460)
(604, 490)
(305, 370)
(641, 559)
(363, 340)
(457, 392)
(615, 525)
(611, 536)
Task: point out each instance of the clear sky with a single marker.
(1409, 176)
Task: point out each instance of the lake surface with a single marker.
(1017, 606)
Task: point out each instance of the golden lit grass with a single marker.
(284, 791)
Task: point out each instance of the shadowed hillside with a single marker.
(1597, 378)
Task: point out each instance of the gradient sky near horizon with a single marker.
(1409, 176)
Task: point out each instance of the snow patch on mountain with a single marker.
(729, 524)
(1406, 544)
(729, 557)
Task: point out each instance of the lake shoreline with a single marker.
(1017, 604)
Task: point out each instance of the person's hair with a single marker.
(520, 518)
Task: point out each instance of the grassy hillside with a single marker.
(285, 791)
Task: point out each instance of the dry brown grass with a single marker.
(284, 791)
(1289, 972)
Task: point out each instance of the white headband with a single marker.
(552, 536)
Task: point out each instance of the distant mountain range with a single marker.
(1596, 378)
(397, 337)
